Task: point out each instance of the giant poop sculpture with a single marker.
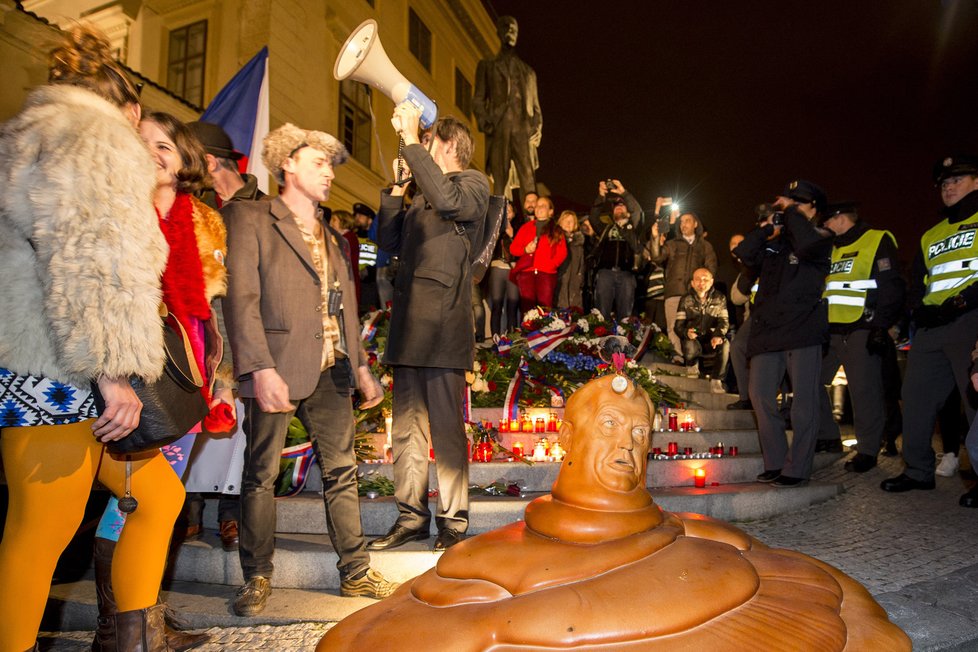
(597, 565)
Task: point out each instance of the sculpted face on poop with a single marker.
(597, 565)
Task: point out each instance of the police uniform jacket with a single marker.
(962, 223)
(431, 315)
(884, 303)
(788, 311)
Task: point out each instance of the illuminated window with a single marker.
(185, 62)
(463, 93)
(355, 119)
(419, 39)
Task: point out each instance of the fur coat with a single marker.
(77, 182)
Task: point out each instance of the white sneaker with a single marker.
(948, 465)
(716, 386)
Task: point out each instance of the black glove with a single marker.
(927, 316)
(952, 308)
(878, 341)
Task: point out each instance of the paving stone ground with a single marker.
(915, 552)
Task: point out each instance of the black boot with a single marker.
(105, 633)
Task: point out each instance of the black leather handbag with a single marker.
(172, 405)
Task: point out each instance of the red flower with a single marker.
(600, 331)
(482, 366)
(491, 385)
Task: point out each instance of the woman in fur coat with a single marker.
(194, 276)
(81, 255)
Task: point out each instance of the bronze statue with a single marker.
(508, 112)
(597, 563)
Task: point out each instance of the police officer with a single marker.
(368, 253)
(944, 297)
(865, 295)
(788, 326)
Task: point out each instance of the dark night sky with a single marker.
(720, 102)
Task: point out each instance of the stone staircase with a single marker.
(305, 560)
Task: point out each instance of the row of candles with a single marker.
(525, 424)
(543, 451)
(672, 452)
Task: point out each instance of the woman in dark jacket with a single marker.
(504, 296)
(570, 275)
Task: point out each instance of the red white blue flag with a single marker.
(241, 108)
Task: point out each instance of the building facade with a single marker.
(185, 51)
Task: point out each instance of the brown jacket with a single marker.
(273, 306)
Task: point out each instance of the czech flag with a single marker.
(241, 108)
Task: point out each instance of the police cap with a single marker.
(953, 166)
(805, 192)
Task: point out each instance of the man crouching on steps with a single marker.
(291, 317)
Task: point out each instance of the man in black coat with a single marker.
(788, 326)
(432, 340)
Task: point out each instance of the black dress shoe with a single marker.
(398, 536)
(828, 446)
(903, 482)
(970, 499)
(786, 482)
(447, 538)
(769, 476)
(741, 405)
(860, 463)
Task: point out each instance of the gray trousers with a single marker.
(328, 417)
(865, 378)
(614, 291)
(672, 307)
(738, 359)
(766, 372)
(938, 361)
(428, 404)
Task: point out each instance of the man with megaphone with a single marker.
(432, 340)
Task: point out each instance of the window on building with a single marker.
(463, 93)
(355, 119)
(185, 62)
(419, 39)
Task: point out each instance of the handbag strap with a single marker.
(187, 354)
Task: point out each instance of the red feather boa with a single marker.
(183, 278)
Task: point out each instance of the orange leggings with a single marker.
(50, 471)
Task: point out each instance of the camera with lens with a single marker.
(765, 211)
(609, 184)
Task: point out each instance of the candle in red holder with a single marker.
(673, 422)
(733, 451)
(527, 425)
(540, 425)
(552, 422)
(483, 451)
(518, 450)
(657, 451)
(688, 450)
(504, 425)
(673, 448)
(699, 478)
(514, 425)
(431, 454)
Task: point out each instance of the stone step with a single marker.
(305, 513)
(684, 383)
(746, 441)
(708, 400)
(307, 560)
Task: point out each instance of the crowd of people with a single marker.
(109, 212)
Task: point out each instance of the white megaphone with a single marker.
(362, 58)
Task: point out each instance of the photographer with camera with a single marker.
(617, 245)
(788, 326)
(865, 296)
(680, 256)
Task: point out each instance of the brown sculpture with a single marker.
(507, 111)
(597, 563)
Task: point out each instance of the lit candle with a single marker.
(673, 422)
(504, 425)
(514, 425)
(518, 450)
(540, 452)
(527, 425)
(699, 478)
(552, 422)
(540, 425)
(557, 452)
(673, 448)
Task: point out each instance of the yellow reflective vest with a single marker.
(851, 277)
(951, 257)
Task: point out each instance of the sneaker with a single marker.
(948, 465)
(369, 585)
(251, 598)
(716, 386)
